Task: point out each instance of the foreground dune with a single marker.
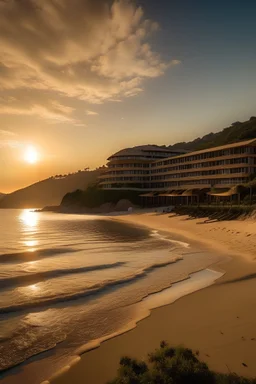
(218, 321)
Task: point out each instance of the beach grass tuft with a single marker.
(168, 365)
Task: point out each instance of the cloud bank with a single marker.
(91, 113)
(94, 51)
(7, 139)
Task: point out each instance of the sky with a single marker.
(81, 79)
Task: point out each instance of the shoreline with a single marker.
(95, 344)
(235, 268)
(144, 313)
(191, 279)
(143, 334)
(162, 222)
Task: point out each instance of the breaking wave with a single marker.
(33, 278)
(34, 255)
(99, 288)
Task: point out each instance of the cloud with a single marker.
(175, 62)
(91, 113)
(10, 143)
(50, 110)
(7, 139)
(94, 51)
(6, 133)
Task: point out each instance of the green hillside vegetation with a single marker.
(49, 191)
(168, 365)
(94, 197)
(236, 132)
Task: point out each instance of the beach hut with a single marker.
(193, 194)
(149, 199)
(228, 195)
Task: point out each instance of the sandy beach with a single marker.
(218, 321)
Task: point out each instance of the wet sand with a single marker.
(218, 321)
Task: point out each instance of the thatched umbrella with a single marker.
(237, 190)
(251, 185)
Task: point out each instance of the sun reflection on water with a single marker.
(28, 219)
(30, 263)
(30, 290)
(33, 287)
(30, 243)
(31, 266)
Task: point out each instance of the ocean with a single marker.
(68, 282)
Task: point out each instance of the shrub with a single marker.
(93, 197)
(168, 365)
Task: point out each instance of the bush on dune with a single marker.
(168, 365)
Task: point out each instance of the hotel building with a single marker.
(130, 168)
(152, 168)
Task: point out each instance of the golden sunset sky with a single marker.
(82, 79)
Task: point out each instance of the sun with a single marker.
(31, 155)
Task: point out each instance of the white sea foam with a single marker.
(155, 233)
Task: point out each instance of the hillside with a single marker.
(236, 132)
(49, 191)
(52, 190)
(1, 195)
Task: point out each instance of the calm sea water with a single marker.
(67, 280)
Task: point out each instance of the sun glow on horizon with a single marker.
(31, 155)
(28, 218)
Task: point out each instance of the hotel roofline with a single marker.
(220, 166)
(213, 149)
